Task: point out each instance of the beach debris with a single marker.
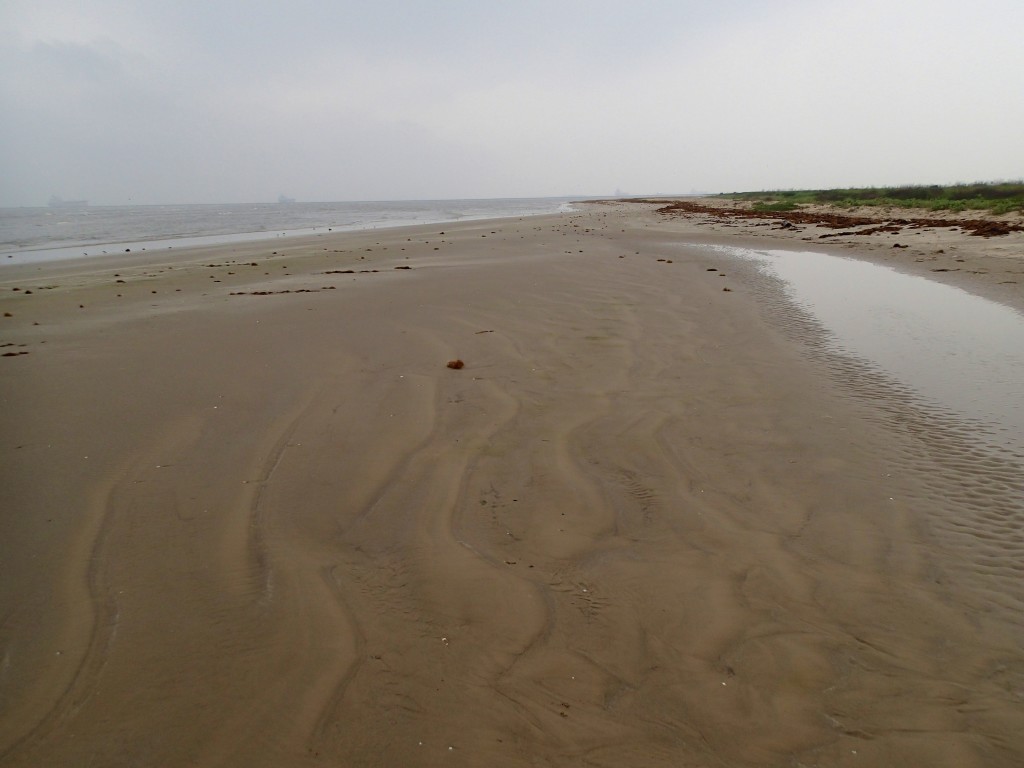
(275, 293)
(789, 219)
(456, 364)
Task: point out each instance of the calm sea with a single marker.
(47, 234)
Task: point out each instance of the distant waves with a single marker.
(43, 234)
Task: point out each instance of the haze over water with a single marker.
(187, 101)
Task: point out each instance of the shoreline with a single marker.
(992, 267)
(379, 219)
(648, 523)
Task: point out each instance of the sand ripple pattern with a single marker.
(641, 527)
(972, 487)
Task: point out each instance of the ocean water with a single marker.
(47, 234)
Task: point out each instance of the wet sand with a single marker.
(252, 518)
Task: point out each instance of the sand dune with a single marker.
(644, 525)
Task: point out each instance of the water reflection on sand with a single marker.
(956, 351)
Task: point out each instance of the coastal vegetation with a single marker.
(997, 197)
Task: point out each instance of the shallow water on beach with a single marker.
(956, 351)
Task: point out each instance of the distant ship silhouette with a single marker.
(285, 199)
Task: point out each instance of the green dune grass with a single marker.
(997, 197)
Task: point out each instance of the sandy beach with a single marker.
(251, 518)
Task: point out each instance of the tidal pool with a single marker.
(956, 351)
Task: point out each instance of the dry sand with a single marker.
(647, 524)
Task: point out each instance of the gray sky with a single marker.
(159, 101)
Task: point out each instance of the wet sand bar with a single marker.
(251, 517)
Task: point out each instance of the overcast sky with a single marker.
(159, 101)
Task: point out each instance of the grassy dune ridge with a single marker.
(997, 197)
